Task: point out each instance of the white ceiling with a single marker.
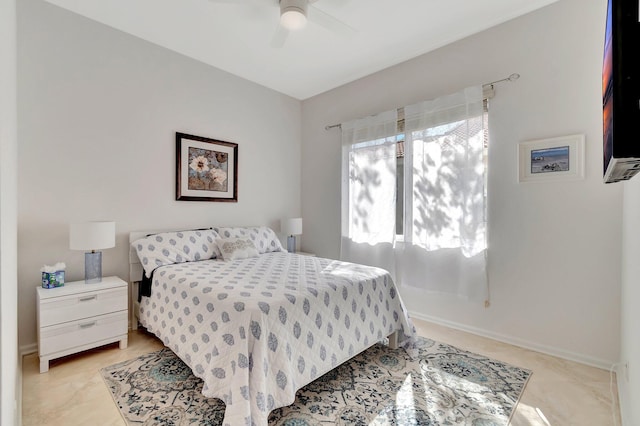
(236, 35)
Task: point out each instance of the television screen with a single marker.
(607, 91)
(621, 91)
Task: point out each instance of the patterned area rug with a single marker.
(443, 385)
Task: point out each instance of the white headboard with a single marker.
(135, 267)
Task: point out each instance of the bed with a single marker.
(260, 323)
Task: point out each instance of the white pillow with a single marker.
(263, 237)
(236, 248)
(167, 248)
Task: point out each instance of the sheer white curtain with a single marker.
(369, 190)
(444, 247)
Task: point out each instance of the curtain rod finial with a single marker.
(514, 77)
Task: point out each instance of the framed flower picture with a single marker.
(206, 169)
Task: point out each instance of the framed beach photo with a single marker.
(553, 159)
(206, 169)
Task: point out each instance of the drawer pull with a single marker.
(88, 324)
(86, 299)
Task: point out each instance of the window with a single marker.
(414, 193)
(400, 160)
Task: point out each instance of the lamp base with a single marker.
(93, 267)
(291, 243)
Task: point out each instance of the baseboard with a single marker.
(18, 416)
(623, 401)
(28, 349)
(549, 350)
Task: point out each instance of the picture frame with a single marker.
(206, 169)
(553, 159)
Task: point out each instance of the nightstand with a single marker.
(81, 316)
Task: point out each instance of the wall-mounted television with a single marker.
(621, 91)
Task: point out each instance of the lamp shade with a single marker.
(92, 235)
(291, 226)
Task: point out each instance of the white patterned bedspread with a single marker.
(258, 329)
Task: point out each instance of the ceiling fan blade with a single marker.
(279, 37)
(329, 22)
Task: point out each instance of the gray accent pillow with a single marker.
(236, 248)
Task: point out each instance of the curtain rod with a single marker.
(512, 77)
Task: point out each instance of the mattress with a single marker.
(256, 330)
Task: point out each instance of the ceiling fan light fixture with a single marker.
(293, 14)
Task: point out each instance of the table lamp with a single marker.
(92, 236)
(291, 227)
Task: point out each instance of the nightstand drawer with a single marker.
(77, 306)
(61, 337)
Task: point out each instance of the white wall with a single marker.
(629, 377)
(9, 364)
(98, 112)
(555, 248)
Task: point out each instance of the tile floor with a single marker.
(559, 392)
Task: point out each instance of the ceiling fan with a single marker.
(294, 15)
